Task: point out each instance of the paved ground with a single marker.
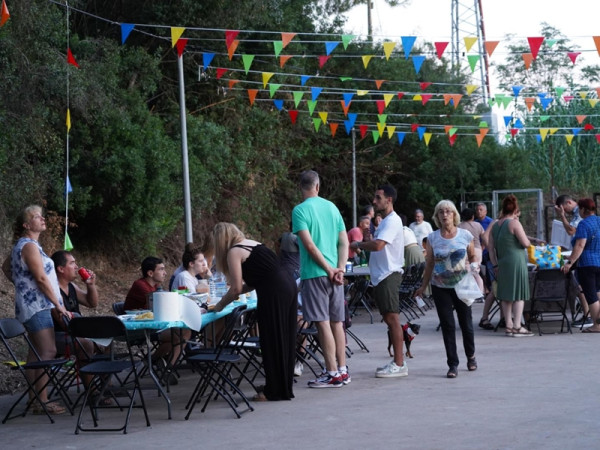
(533, 392)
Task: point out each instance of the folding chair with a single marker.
(550, 298)
(106, 327)
(308, 347)
(118, 308)
(360, 296)
(12, 329)
(411, 281)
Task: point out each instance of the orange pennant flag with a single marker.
(232, 48)
(597, 42)
(479, 138)
(527, 57)
(580, 119)
(286, 38)
(5, 14)
(252, 95)
(283, 59)
(447, 128)
(456, 98)
(483, 131)
(490, 46)
(447, 98)
(529, 101)
(345, 107)
(233, 83)
(378, 83)
(71, 58)
(333, 127)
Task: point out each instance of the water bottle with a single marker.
(212, 290)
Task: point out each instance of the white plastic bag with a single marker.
(467, 289)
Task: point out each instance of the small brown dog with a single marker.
(409, 330)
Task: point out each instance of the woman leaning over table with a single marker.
(249, 265)
(449, 252)
(586, 253)
(507, 244)
(37, 292)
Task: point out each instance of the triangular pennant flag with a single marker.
(490, 46)
(283, 59)
(424, 85)
(527, 58)
(68, 120)
(550, 42)
(588, 127)
(316, 123)
(427, 137)
(71, 58)
(322, 60)
(534, 44)
(342, 79)
(553, 131)
(473, 60)
(361, 92)
(583, 95)
(366, 59)
(315, 92)
(388, 47)
(575, 131)
(598, 138)
(220, 72)
(418, 62)
(68, 187)
(345, 107)
(68, 245)
(333, 127)
(425, 98)
(346, 38)
(469, 42)
(330, 46)
(573, 56)
(546, 102)
(471, 88)
(447, 128)
(180, 46)
(387, 98)
(126, 29)
(543, 133)
(266, 76)
(593, 102)
(273, 88)
(293, 113)
(518, 124)
(390, 131)
(559, 91)
(297, 97)
(400, 95)
(230, 36)
(401, 135)
(537, 137)
(452, 139)
(517, 90)
(352, 118)
(304, 79)
(569, 138)
(421, 132)
(529, 101)
(447, 98)
(381, 128)
(207, 59)
(323, 115)
(232, 48)
(597, 43)
(452, 131)
(247, 59)
(380, 106)
(513, 132)
(483, 131)
(378, 83)
(456, 98)
(348, 126)
(277, 47)
(347, 98)
(580, 118)
(440, 47)
(598, 92)
(176, 33)
(252, 95)
(286, 38)
(407, 44)
(311, 106)
(363, 130)
(479, 139)
(382, 118)
(233, 83)
(375, 135)
(568, 98)
(507, 120)
(414, 127)
(544, 118)
(278, 104)
(5, 14)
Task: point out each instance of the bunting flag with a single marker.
(387, 98)
(400, 95)
(479, 138)
(517, 90)
(181, 43)
(126, 29)
(333, 127)
(469, 42)
(527, 58)
(513, 132)
(207, 59)
(414, 127)
(400, 135)
(593, 102)
(546, 102)
(380, 105)
(380, 128)
(583, 95)
(366, 59)
(598, 138)
(232, 83)
(266, 76)
(559, 91)
(425, 98)
(247, 59)
(424, 85)
(230, 36)
(278, 104)
(529, 102)
(543, 133)
(580, 118)
(348, 126)
(390, 131)
(176, 33)
(588, 127)
(347, 98)
(323, 115)
(293, 113)
(597, 43)
(407, 44)
(342, 79)
(273, 88)
(297, 97)
(311, 106)
(440, 47)
(252, 95)
(490, 46)
(452, 140)
(421, 132)
(345, 107)
(346, 38)
(573, 56)
(363, 130)
(382, 118)
(375, 135)
(232, 48)
(473, 60)
(304, 79)
(322, 60)
(427, 137)
(330, 46)
(378, 83)
(568, 98)
(68, 122)
(71, 58)
(418, 62)
(283, 59)
(286, 38)
(316, 123)
(352, 119)
(569, 138)
(315, 92)
(220, 72)
(455, 99)
(483, 132)
(5, 14)
(576, 131)
(471, 88)
(388, 47)
(362, 92)
(68, 245)
(277, 47)
(534, 44)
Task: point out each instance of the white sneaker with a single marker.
(298, 369)
(392, 370)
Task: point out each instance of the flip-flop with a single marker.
(589, 330)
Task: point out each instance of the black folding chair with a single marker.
(103, 372)
(360, 296)
(11, 330)
(550, 298)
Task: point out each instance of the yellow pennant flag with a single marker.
(266, 76)
(68, 120)
(380, 128)
(469, 41)
(387, 98)
(176, 33)
(323, 116)
(366, 59)
(471, 88)
(543, 133)
(417, 98)
(583, 95)
(569, 138)
(427, 137)
(553, 130)
(361, 93)
(390, 131)
(387, 49)
(593, 101)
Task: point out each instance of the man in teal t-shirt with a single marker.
(323, 244)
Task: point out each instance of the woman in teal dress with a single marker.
(506, 246)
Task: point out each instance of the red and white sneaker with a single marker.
(326, 381)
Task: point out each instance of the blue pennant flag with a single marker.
(517, 90)
(418, 62)
(207, 59)
(545, 102)
(538, 137)
(304, 79)
(421, 131)
(278, 104)
(401, 135)
(348, 126)
(507, 120)
(330, 46)
(347, 98)
(315, 92)
(125, 30)
(352, 118)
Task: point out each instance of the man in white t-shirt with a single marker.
(421, 228)
(385, 267)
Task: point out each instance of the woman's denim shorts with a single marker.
(39, 321)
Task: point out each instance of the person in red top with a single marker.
(360, 233)
(153, 275)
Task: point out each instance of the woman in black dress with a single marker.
(249, 265)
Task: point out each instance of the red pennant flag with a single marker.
(490, 46)
(425, 98)
(293, 115)
(333, 126)
(527, 57)
(573, 56)
(424, 85)
(514, 131)
(322, 60)
(71, 59)
(598, 138)
(452, 139)
(363, 130)
(230, 36)
(534, 44)
(380, 105)
(252, 95)
(345, 107)
(5, 14)
(400, 95)
(233, 83)
(378, 83)
(181, 43)
(440, 47)
(588, 127)
(220, 72)
(567, 98)
(413, 127)
(283, 59)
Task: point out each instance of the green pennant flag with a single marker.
(273, 88)
(375, 136)
(551, 42)
(483, 124)
(492, 102)
(342, 79)
(247, 62)
(277, 46)
(452, 131)
(544, 118)
(68, 245)
(346, 38)
(311, 106)
(559, 91)
(507, 100)
(317, 123)
(382, 117)
(473, 60)
(297, 97)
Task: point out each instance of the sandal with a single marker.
(53, 408)
(509, 332)
(486, 324)
(471, 364)
(260, 397)
(452, 372)
(521, 332)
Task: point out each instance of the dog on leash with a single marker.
(409, 330)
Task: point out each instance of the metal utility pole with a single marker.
(187, 204)
(369, 21)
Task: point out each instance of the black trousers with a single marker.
(445, 302)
